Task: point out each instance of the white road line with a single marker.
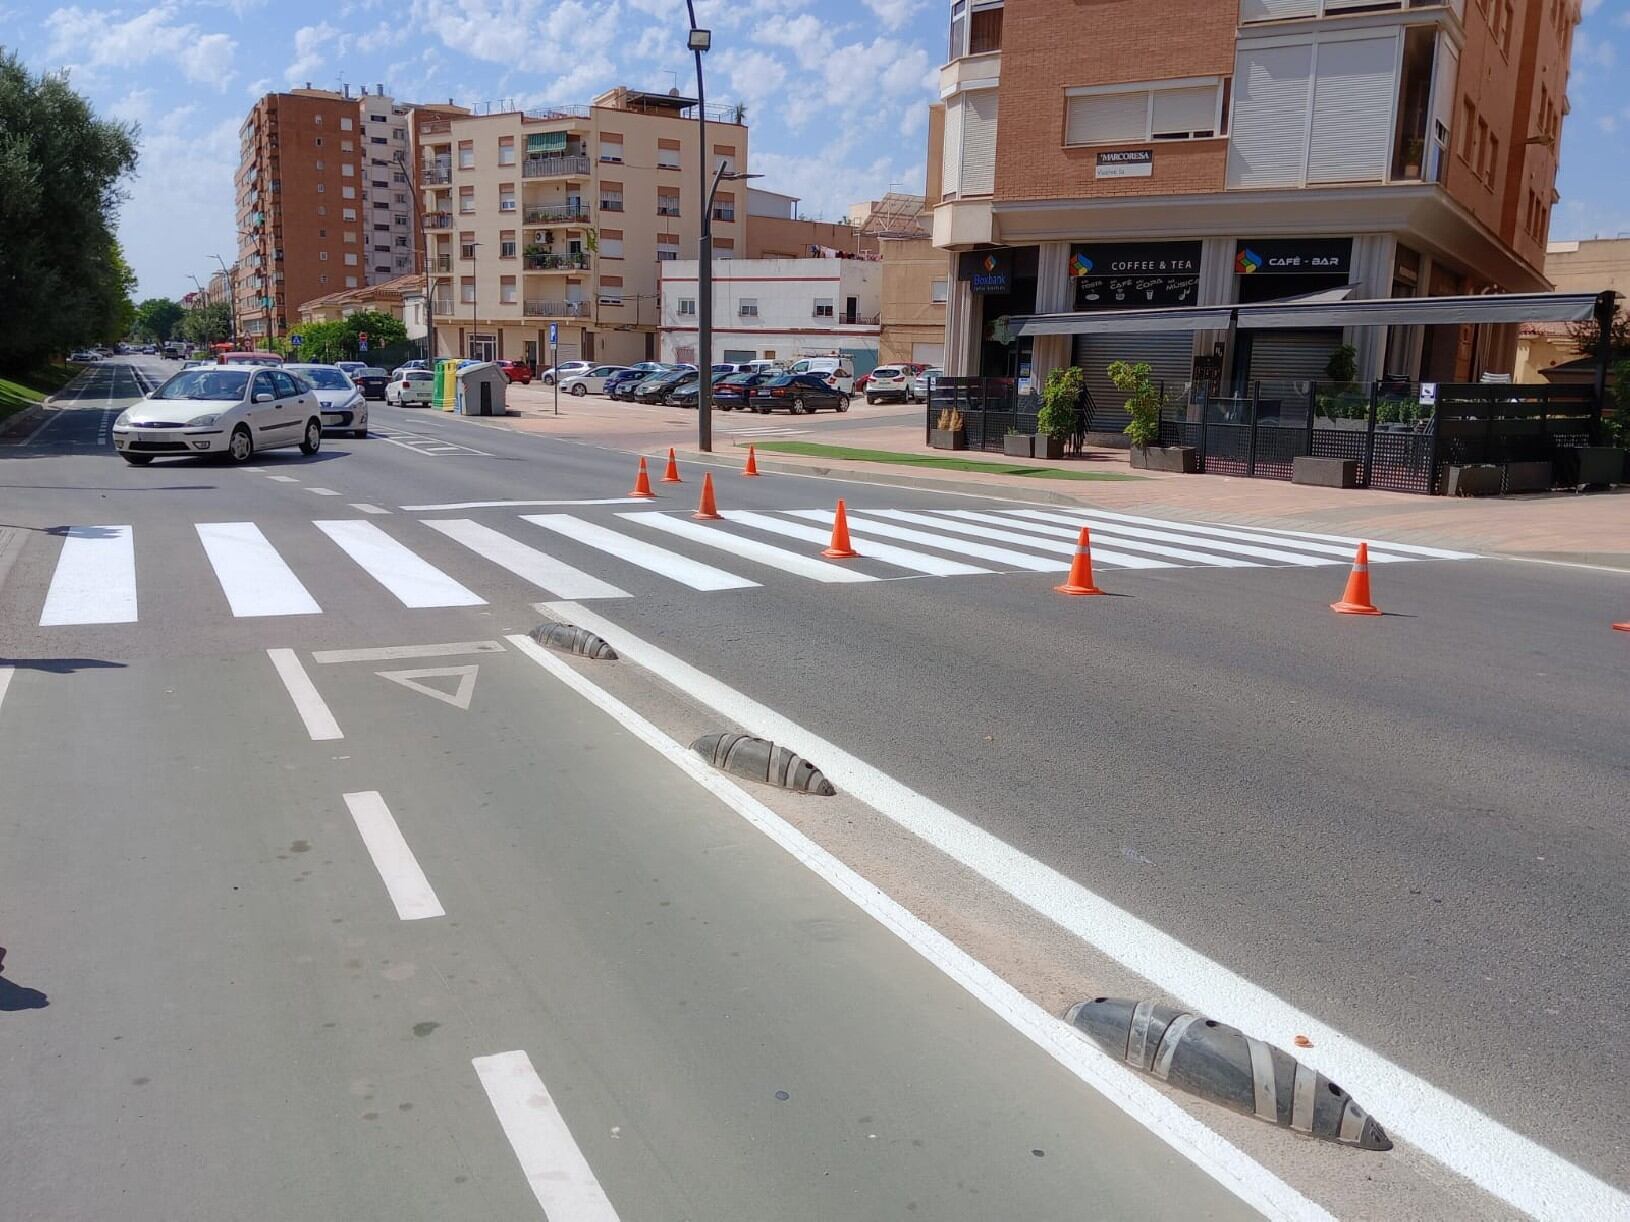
(364, 507)
(5, 683)
(527, 563)
(283, 479)
(555, 1169)
(1232, 1168)
(322, 491)
(409, 889)
(1433, 553)
(95, 578)
(796, 563)
(253, 576)
(308, 702)
(1015, 532)
(1514, 1168)
(255, 470)
(1137, 540)
(415, 582)
(390, 653)
(899, 557)
(864, 528)
(659, 560)
(1566, 564)
(609, 500)
(1242, 534)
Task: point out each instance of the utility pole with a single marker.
(419, 250)
(699, 41)
(231, 298)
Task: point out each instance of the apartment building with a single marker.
(777, 309)
(324, 201)
(565, 217)
(1242, 151)
(776, 231)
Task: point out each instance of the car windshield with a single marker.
(372, 372)
(885, 373)
(209, 382)
(324, 379)
(418, 375)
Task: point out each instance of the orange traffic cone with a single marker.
(1080, 578)
(1356, 601)
(752, 462)
(671, 475)
(642, 484)
(839, 548)
(707, 511)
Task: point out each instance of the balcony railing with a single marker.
(431, 175)
(568, 214)
(555, 166)
(724, 214)
(438, 220)
(556, 309)
(442, 264)
(554, 262)
(611, 205)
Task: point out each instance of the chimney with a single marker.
(346, 89)
(308, 84)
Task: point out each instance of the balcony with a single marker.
(556, 309)
(559, 166)
(441, 264)
(549, 262)
(438, 220)
(610, 204)
(431, 175)
(563, 214)
(667, 208)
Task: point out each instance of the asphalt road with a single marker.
(1412, 828)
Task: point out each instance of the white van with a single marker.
(839, 371)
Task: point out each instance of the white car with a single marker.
(565, 370)
(590, 381)
(924, 382)
(889, 382)
(82, 358)
(838, 372)
(411, 387)
(220, 409)
(344, 407)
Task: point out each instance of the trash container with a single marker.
(445, 391)
(481, 389)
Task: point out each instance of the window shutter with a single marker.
(1268, 147)
(1352, 110)
(1107, 118)
(951, 163)
(1184, 112)
(1276, 10)
(979, 143)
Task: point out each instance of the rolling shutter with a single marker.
(1107, 118)
(1352, 110)
(1282, 360)
(1276, 10)
(1171, 360)
(951, 164)
(1268, 147)
(979, 142)
(1184, 112)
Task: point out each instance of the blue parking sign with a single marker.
(297, 340)
(554, 333)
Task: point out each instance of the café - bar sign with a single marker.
(1293, 256)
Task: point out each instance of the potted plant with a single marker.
(1136, 382)
(950, 431)
(1060, 410)
(1019, 445)
(1414, 148)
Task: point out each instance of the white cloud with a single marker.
(894, 13)
(1590, 6)
(827, 182)
(805, 35)
(1608, 123)
(92, 41)
(180, 206)
(491, 30)
(309, 53)
(1593, 52)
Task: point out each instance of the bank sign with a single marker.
(991, 272)
(1294, 256)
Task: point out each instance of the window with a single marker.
(350, 237)
(823, 307)
(345, 124)
(400, 218)
(611, 243)
(985, 30)
(1482, 148)
(466, 250)
(351, 255)
(667, 154)
(319, 143)
(323, 233)
(348, 214)
(1494, 158)
(667, 246)
(377, 140)
(506, 290)
(466, 199)
(318, 164)
(466, 154)
(724, 248)
(506, 246)
(382, 228)
(1468, 128)
(1116, 115)
(345, 146)
(941, 291)
(322, 256)
(506, 150)
(747, 307)
(667, 201)
(506, 197)
(611, 147)
(611, 196)
(317, 119)
(687, 306)
(466, 290)
(401, 239)
(348, 192)
(959, 28)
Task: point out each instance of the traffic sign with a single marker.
(554, 333)
(362, 345)
(297, 340)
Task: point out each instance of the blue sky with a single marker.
(835, 89)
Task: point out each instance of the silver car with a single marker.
(233, 410)
(344, 407)
(922, 382)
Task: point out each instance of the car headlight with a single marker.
(123, 420)
(354, 401)
(208, 418)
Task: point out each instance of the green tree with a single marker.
(206, 324)
(319, 341)
(157, 319)
(382, 330)
(63, 279)
(1136, 382)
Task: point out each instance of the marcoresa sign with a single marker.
(1293, 256)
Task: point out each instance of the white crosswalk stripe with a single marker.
(95, 577)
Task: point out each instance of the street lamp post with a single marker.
(475, 292)
(421, 250)
(699, 41)
(231, 299)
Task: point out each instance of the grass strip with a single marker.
(814, 449)
(24, 390)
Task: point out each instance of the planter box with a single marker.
(1182, 459)
(1048, 446)
(1019, 445)
(1589, 465)
(1472, 481)
(948, 439)
(1324, 472)
(1528, 477)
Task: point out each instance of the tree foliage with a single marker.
(1136, 381)
(63, 280)
(319, 341)
(382, 329)
(337, 340)
(206, 324)
(157, 319)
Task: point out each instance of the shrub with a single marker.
(1142, 400)
(1061, 401)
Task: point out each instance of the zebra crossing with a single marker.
(568, 556)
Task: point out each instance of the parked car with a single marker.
(590, 382)
(414, 364)
(248, 358)
(83, 358)
(149, 349)
(371, 380)
(730, 391)
(345, 409)
(686, 394)
(923, 382)
(621, 385)
(564, 369)
(350, 367)
(516, 371)
(656, 388)
(797, 393)
(192, 364)
(888, 383)
(837, 371)
(231, 410)
(411, 388)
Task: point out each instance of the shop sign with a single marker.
(1135, 275)
(1135, 163)
(1293, 256)
(988, 271)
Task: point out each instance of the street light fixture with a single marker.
(699, 40)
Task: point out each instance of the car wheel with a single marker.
(843, 403)
(359, 434)
(580, 390)
(871, 401)
(313, 440)
(137, 460)
(241, 448)
(548, 379)
(798, 408)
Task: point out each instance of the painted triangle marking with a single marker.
(459, 698)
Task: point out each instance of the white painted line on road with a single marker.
(1514, 1168)
(459, 697)
(415, 582)
(659, 560)
(1160, 542)
(862, 527)
(255, 470)
(409, 889)
(1214, 530)
(391, 653)
(1016, 531)
(885, 553)
(527, 563)
(554, 1166)
(253, 576)
(364, 507)
(609, 500)
(95, 578)
(1229, 1166)
(1432, 553)
(283, 479)
(322, 491)
(308, 702)
(1567, 564)
(5, 683)
(797, 563)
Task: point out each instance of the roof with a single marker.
(393, 289)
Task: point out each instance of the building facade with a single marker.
(1586, 266)
(781, 309)
(324, 202)
(916, 286)
(386, 297)
(1241, 151)
(776, 231)
(564, 219)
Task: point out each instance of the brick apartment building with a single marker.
(324, 202)
(1207, 152)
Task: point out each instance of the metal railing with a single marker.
(555, 165)
(442, 264)
(431, 175)
(568, 214)
(666, 209)
(724, 214)
(552, 262)
(556, 309)
(438, 220)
